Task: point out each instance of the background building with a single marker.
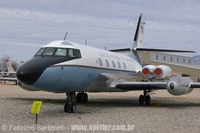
(180, 64)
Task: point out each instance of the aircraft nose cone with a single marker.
(30, 71)
(27, 77)
(28, 74)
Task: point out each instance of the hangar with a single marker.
(180, 64)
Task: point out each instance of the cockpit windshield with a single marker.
(61, 52)
(48, 51)
(64, 52)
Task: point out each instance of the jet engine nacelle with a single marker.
(162, 72)
(147, 71)
(156, 72)
(179, 85)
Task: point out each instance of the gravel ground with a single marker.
(103, 112)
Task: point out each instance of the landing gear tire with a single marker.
(148, 100)
(73, 108)
(145, 98)
(82, 97)
(70, 106)
(85, 99)
(141, 100)
(66, 108)
(78, 98)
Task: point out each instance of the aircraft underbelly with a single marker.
(106, 82)
(64, 79)
(75, 79)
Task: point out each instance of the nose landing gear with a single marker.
(72, 98)
(70, 106)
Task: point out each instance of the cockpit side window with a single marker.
(74, 53)
(48, 51)
(61, 52)
(77, 53)
(71, 53)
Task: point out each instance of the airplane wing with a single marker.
(174, 85)
(8, 79)
(195, 85)
(141, 85)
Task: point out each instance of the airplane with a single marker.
(10, 75)
(66, 67)
(11, 72)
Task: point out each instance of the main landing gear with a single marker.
(82, 97)
(70, 106)
(145, 98)
(72, 98)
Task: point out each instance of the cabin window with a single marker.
(113, 63)
(183, 60)
(171, 58)
(107, 63)
(164, 58)
(177, 59)
(100, 62)
(119, 64)
(189, 61)
(124, 65)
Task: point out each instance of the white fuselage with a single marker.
(96, 71)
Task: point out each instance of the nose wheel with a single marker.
(70, 106)
(145, 98)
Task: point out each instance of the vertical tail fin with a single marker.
(138, 39)
(139, 33)
(9, 67)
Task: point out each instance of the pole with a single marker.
(36, 118)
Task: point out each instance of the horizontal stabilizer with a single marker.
(121, 50)
(185, 75)
(162, 50)
(151, 50)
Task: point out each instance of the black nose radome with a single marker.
(30, 71)
(26, 77)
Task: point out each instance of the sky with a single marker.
(26, 25)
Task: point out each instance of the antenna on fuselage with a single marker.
(86, 42)
(65, 36)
